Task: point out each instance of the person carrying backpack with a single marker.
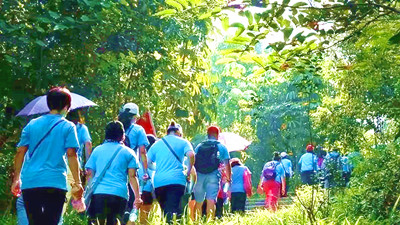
(209, 154)
(332, 166)
(135, 138)
(272, 182)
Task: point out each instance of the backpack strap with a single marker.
(171, 149)
(44, 137)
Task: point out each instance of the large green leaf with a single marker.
(174, 4)
(166, 12)
(225, 61)
(395, 39)
(287, 32)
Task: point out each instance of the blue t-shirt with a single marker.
(287, 166)
(308, 162)
(137, 136)
(83, 138)
(222, 150)
(115, 180)
(168, 169)
(237, 184)
(280, 172)
(47, 167)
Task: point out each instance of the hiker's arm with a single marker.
(18, 160)
(228, 170)
(135, 187)
(74, 167)
(88, 148)
(190, 155)
(259, 187)
(143, 156)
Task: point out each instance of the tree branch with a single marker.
(358, 30)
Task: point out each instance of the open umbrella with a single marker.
(233, 142)
(39, 105)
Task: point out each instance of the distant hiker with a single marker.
(111, 164)
(135, 138)
(347, 168)
(44, 145)
(241, 186)
(321, 156)
(272, 182)
(209, 154)
(222, 194)
(288, 167)
(84, 151)
(147, 191)
(308, 166)
(332, 167)
(169, 180)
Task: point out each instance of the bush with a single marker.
(6, 164)
(374, 188)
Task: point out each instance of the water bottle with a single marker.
(226, 187)
(79, 205)
(134, 215)
(189, 187)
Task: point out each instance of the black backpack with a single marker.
(127, 142)
(207, 159)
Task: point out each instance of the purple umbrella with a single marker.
(39, 105)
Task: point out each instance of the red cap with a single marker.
(310, 148)
(213, 130)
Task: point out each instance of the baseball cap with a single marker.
(310, 148)
(174, 126)
(131, 108)
(213, 129)
(283, 154)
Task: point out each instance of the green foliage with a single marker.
(6, 165)
(374, 188)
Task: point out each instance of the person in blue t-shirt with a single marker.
(169, 178)
(241, 185)
(287, 166)
(44, 144)
(308, 166)
(135, 135)
(135, 138)
(147, 187)
(111, 195)
(84, 151)
(84, 138)
(332, 167)
(208, 176)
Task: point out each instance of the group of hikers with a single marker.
(329, 169)
(130, 169)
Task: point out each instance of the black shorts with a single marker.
(147, 198)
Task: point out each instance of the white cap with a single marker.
(283, 154)
(130, 108)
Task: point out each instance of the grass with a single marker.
(291, 214)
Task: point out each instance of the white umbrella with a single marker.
(233, 142)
